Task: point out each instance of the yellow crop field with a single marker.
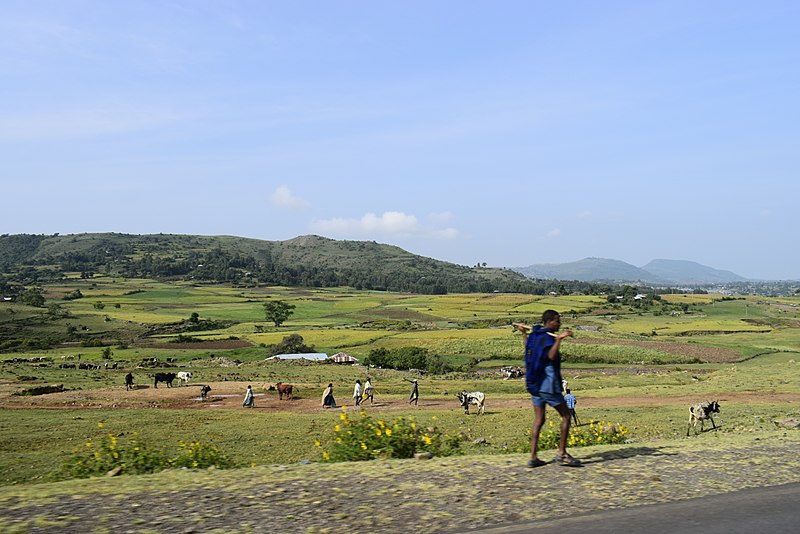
(334, 338)
(646, 325)
(481, 343)
(690, 298)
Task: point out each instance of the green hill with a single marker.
(309, 261)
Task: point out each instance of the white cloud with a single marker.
(555, 232)
(390, 223)
(284, 199)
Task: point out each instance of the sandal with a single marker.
(536, 463)
(568, 460)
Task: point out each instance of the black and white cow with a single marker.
(511, 371)
(701, 412)
(475, 398)
(204, 391)
(184, 377)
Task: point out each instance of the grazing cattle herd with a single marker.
(698, 413)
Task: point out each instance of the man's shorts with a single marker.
(541, 398)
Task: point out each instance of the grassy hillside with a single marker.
(309, 261)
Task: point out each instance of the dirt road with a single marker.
(229, 395)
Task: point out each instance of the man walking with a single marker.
(543, 381)
(570, 399)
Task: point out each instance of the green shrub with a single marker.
(199, 455)
(407, 358)
(135, 457)
(596, 433)
(366, 439)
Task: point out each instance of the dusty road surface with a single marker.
(770, 509)
(229, 395)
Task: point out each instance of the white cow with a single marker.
(475, 398)
(184, 376)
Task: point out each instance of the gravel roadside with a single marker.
(438, 495)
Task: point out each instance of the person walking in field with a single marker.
(414, 396)
(327, 397)
(543, 382)
(358, 391)
(571, 401)
(249, 398)
(368, 391)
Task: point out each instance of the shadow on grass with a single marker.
(622, 454)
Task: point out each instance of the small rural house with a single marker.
(342, 357)
(312, 356)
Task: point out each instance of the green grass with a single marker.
(256, 438)
(35, 441)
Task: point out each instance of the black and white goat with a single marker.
(701, 412)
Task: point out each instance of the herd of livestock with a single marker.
(465, 398)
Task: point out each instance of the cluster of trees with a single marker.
(408, 358)
(291, 344)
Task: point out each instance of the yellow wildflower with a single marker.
(388, 431)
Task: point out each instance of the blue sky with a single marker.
(503, 132)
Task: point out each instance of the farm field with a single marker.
(636, 367)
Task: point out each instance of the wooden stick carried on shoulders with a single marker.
(527, 329)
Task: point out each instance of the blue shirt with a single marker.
(541, 373)
(570, 398)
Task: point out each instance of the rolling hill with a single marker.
(657, 272)
(309, 261)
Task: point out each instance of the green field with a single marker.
(687, 346)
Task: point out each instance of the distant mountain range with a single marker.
(659, 272)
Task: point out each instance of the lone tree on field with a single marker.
(278, 311)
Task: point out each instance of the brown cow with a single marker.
(284, 389)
